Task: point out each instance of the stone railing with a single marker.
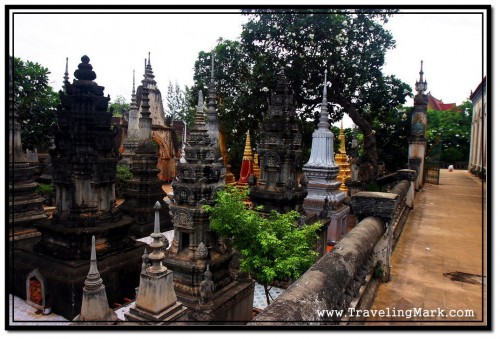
(342, 280)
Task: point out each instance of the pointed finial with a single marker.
(247, 154)
(212, 102)
(212, 72)
(157, 208)
(92, 253)
(145, 67)
(149, 58)
(323, 119)
(133, 84)
(66, 74)
(421, 70)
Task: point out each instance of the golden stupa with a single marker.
(341, 161)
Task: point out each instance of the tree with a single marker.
(273, 248)
(177, 107)
(449, 131)
(119, 107)
(36, 103)
(350, 45)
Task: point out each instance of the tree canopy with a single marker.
(448, 133)
(351, 46)
(36, 103)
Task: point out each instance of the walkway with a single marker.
(437, 262)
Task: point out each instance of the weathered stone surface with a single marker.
(325, 284)
(377, 204)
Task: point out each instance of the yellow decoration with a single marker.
(341, 161)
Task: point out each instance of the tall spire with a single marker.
(133, 101)
(149, 77)
(145, 113)
(323, 120)
(66, 74)
(212, 102)
(421, 84)
(247, 153)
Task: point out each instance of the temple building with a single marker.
(84, 167)
(195, 245)
(324, 198)
(280, 155)
(418, 137)
(438, 105)
(478, 156)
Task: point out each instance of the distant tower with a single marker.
(418, 139)
(144, 189)
(280, 155)
(162, 133)
(156, 301)
(95, 305)
(246, 163)
(195, 245)
(132, 140)
(214, 130)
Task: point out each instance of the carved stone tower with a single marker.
(341, 160)
(280, 155)
(321, 171)
(418, 139)
(84, 166)
(163, 134)
(194, 245)
(144, 189)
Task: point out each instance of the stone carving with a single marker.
(207, 289)
(201, 251)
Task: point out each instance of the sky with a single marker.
(449, 44)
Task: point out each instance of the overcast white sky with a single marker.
(449, 44)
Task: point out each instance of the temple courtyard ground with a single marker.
(439, 263)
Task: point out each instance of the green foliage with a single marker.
(123, 174)
(351, 46)
(47, 192)
(272, 248)
(449, 131)
(36, 103)
(119, 107)
(177, 105)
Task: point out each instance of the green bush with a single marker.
(123, 174)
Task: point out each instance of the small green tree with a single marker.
(123, 174)
(272, 248)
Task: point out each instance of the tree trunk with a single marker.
(266, 290)
(369, 169)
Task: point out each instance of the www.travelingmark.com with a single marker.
(395, 313)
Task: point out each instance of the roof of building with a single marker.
(438, 105)
(478, 89)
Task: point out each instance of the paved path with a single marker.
(444, 234)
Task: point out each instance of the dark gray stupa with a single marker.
(84, 167)
(280, 155)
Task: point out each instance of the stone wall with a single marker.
(347, 278)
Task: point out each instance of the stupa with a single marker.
(84, 166)
(194, 245)
(341, 160)
(246, 164)
(280, 155)
(144, 189)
